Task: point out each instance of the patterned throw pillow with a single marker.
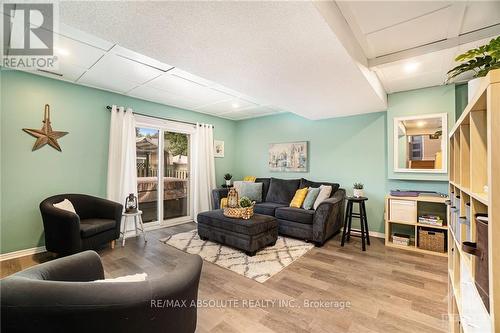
(324, 193)
(312, 194)
(298, 198)
(249, 189)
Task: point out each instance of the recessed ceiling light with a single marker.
(421, 123)
(411, 67)
(235, 105)
(61, 51)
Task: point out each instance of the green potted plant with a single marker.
(247, 205)
(480, 61)
(358, 190)
(227, 178)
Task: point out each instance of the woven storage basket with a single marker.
(432, 240)
(239, 213)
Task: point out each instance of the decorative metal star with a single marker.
(45, 135)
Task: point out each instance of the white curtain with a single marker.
(122, 176)
(203, 168)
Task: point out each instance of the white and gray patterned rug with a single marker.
(266, 263)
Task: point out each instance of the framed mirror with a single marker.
(420, 143)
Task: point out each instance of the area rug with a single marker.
(260, 267)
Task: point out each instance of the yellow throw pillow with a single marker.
(249, 179)
(298, 198)
(223, 203)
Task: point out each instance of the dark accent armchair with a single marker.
(60, 296)
(96, 222)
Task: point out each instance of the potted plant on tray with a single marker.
(227, 178)
(480, 61)
(358, 190)
(247, 205)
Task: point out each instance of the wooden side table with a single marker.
(364, 234)
(137, 222)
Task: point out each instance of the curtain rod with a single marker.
(156, 117)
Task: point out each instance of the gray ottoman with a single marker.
(247, 235)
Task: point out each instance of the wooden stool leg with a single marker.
(344, 231)
(365, 217)
(363, 246)
(350, 221)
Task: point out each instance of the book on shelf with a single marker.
(431, 220)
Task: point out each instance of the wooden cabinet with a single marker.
(475, 189)
(401, 216)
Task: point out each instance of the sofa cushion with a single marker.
(298, 215)
(251, 190)
(267, 208)
(307, 183)
(265, 186)
(282, 190)
(312, 194)
(91, 227)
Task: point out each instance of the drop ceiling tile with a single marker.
(67, 72)
(70, 51)
(233, 105)
(184, 88)
(420, 31)
(83, 37)
(389, 13)
(163, 97)
(129, 54)
(480, 14)
(118, 74)
(191, 77)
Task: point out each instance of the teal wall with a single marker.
(28, 177)
(344, 150)
(416, 102)
(461, 96)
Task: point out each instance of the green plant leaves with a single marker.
(480, 60)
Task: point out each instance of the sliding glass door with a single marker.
(163, 171)
(176, 175)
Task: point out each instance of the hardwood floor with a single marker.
(389, 290)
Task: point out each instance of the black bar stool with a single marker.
(363, 233)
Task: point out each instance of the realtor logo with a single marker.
(28, 36)
(27, 29)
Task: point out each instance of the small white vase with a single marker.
(358, 193)
(472, 88)
(228, 182)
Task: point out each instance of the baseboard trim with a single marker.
(22, 253)
(372, 233)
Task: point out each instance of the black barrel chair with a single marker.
(96, 222)
(61, 296)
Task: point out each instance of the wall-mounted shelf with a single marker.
(475, 188)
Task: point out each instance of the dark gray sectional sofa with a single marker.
(311, 225)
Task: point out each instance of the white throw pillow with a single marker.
(127, 278)
(324, 193)
(65, 205)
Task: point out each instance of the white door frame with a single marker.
(169, 126)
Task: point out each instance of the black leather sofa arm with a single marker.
(328, 217)
(217, 195)
(61, 227)
(81, 267)
(165, 303)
